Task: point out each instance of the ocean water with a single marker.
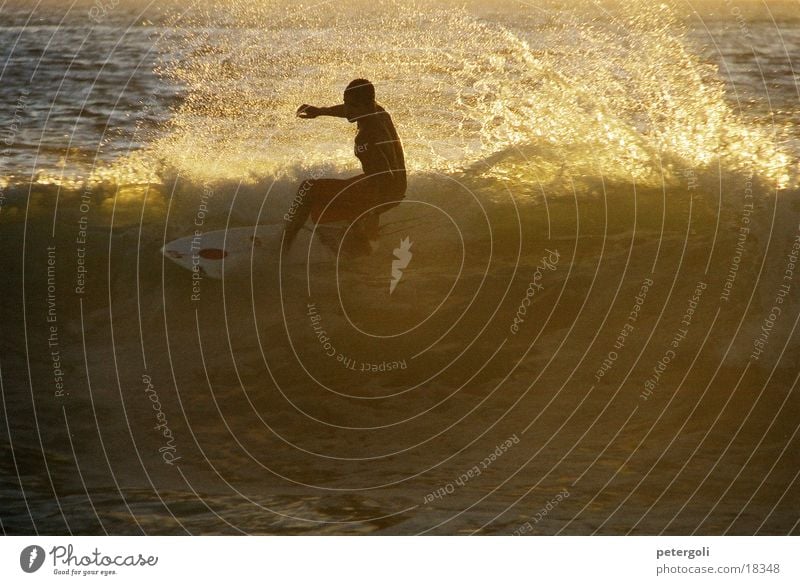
(594, 333)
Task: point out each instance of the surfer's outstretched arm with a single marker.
(306, 111)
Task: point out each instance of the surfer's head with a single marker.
(359, 99)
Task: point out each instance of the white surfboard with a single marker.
(237, 251)
(242, 251)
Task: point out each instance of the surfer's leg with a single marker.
(368, 226)
(299, 211)
(362, 235)
(331, 200)
(372, 225)
(315, 197)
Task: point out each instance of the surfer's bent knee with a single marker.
(300, 200)
(305, 189)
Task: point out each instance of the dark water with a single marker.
(596, 331)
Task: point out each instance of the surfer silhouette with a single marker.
(382, 183)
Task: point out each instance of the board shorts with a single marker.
(334, 200)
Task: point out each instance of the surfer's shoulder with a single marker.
(382, 114)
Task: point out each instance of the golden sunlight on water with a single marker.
(624, 100)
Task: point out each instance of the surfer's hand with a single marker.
(306, 111)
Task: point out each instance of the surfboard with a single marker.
(243, 250)
(238, 250)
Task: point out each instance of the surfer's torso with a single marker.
(378, 148)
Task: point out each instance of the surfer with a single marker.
(382, 184)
